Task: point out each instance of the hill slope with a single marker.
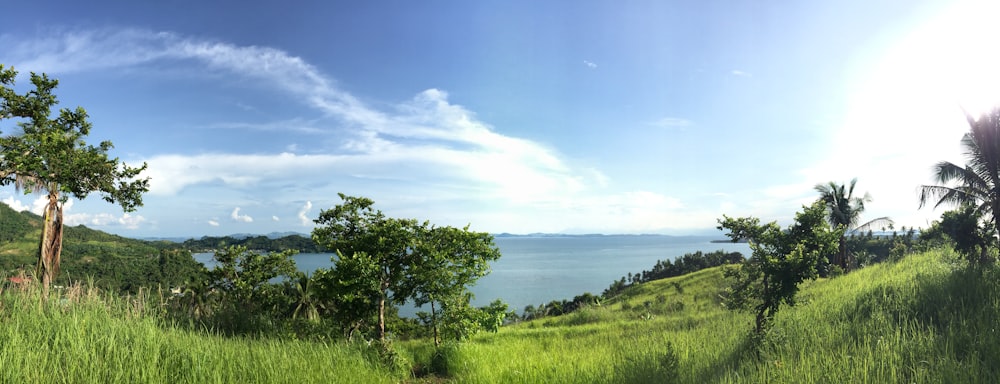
(922, 319)
(111, 260)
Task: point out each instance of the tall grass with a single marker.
(923, 319)
(81, 336)
(926, 319)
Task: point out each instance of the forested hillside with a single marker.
(112, 261)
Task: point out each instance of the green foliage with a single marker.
(245, 282)
(978, 182)
(843, 211)
(50, 155)
(257, 243)
(352, 288)
(382, 262)
(969, 234)
(781, 260)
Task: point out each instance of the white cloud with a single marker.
(427, 134)
(126, 220)
(275, 218)
(236, 216)
(737, 72)
(38, 206)
(589, 64)
(303, 214)
(439, 149)
(671, 122)
(16, 204)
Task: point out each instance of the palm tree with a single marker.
(844, 210)
(978, 182)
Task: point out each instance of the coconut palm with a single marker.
(844, 210)
(978, 182)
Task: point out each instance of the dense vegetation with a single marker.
(258, 243)
(817, 301)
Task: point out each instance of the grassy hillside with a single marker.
(923, 319)
(85, 337)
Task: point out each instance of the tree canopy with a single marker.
(49, 155)
(781, 260)
(978, 182)
(383, 262)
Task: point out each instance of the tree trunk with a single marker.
(381, 317)
(843, 253)
(51, 248)
(761, 319)
(434, 324)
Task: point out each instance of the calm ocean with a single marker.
(536, 270)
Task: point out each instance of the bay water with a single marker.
(537, 270)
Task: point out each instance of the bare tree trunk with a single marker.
(843, 253)
(437, 338)
(381, 317)
(51, 248)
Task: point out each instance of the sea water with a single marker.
(537, 270)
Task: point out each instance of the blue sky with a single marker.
(513, 116)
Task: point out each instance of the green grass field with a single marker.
(924, 319)
(86, 338)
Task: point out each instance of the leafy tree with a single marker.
(49, 155)
(978, 182)
(963, 226)
(386, 261)
(451, 260)
(781, 260)
(352, 287)
(244, 280)
(371, 244)
(844, 211)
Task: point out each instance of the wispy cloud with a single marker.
(438, 147)
(590, 64)
(428, 133)
(304, 214)
(236, 216)
(737, 72)
(671, 122)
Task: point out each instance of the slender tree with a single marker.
(50, 156)
(844, 210)
(978, 182)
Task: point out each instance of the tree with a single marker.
(978, 182)
(372, 245)
(781, 260)
(244, 278)
(50, 156)
(452, 259)
(843, 210)
(386, 261)
(970, 237)
(352, 287)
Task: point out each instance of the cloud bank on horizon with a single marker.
(233, 132)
